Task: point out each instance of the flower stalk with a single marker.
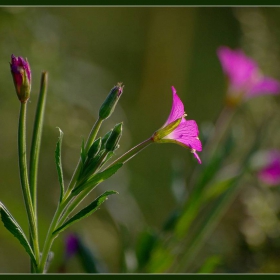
(24, 180)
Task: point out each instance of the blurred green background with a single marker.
(86, 51)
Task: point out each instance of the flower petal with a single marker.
(266, 85)
(196, 156)
(177, 110)
(239, 68)
(187, 134)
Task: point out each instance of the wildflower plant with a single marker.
(211, 188)
(93, 167)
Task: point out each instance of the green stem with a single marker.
(50, 238)
(132, 152)
(24, 179)
(89, 142)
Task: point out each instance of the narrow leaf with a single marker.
(36, 138)
(83, 152)
(86, 211)
(11, 225)
(98, 178)
(59, 164)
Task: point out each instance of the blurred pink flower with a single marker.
(270, 172)
(179, 130)
(245, 77)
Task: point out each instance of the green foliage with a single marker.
(96, 179)
(11, 225)
(59, 164)
(144, 247)
(91, 208)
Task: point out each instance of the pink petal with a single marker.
(196, 156)
(177, 110)
(187, 134)
(266, 85)
(239, 68)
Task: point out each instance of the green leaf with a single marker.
(144, 247)
(59, 164)
(89, 258)
(86, 211)
(96, 179)
(11, 225)
(83, 152)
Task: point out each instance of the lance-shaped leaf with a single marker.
(86, 211)
(96, 179)
(58, 163)
(83, 152)
(11, 225)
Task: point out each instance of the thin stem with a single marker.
(24, 179)
(89, 142)
(132, 152)
(50, 238)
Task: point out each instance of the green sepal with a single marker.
(91, 165)
(105, 138)
(114, 137)
(95, 148)
(11, 225)
(164, 131)
(98, 178)
(86, 211)
(59, 164)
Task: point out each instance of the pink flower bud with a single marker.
(21, 73)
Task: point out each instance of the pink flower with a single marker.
(245, 77)
(270, 172)
(179, 130)
(21, 73)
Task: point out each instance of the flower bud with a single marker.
(114, 138)
(107, 108)
(21, 73)
(94, 148)
(105, 138)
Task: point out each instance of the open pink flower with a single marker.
(179, 130)
(245, 77)
(270, 172)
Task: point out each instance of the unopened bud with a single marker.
(114, 138)
(105, 138)
(21, 73)
(94, 149)
(107, 108)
